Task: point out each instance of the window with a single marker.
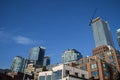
(109, 53)
(105, 73)
(83, 67)
(110, 58)
(42, 78)
(67, 72)
(93, 66)
(83, 75)
(101, 56)
(48, 77)
(112, 63)
(76, 74)
(94, 73)
(57, 75)
(104, 65)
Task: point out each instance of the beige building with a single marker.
(63, 72)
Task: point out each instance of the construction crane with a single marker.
(92, 17)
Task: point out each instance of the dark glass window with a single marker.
(42, 78)
(67, 72)
(76, 74)
(83, 67)
(94, 73)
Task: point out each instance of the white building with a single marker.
(63, 72)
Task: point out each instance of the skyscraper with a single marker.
(71, 55)
(101, 32)
(118, 36)
(18, 64)
(46, 61)
(36, 55)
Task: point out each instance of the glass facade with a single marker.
(57, 75)
(46, 61)
(118, 36)
(101, 32)
(36, 55)
(18, 64)
(71, 55)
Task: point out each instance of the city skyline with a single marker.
(56, 25)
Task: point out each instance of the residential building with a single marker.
(101, 32)
(18, 64)
(63, 72)
(70, 55)
(118, 36)
(103, 65)
(36, 55)
(46, 61)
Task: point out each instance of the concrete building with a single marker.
(36, 55)
(63, 72)
(70, 55)
(18, 64)
(118, 36)
(101, 32)
(30, 69)
(103, 65)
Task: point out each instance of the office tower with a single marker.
(36, 55)
(71, 55)
(18, 64)
(118, 36)
(46, 61)
(101, 32)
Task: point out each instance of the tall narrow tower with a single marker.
(101, 32)
(118, 36)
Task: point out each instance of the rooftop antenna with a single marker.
(92, 17)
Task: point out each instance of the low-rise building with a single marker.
(63, 72)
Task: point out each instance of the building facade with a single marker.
(63, 72)
(103, 65)
(118, 36)
(71, 55)
(36, 55)
(46, 61)
(101, 32)
(18, 64)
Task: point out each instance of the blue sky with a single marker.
(55, 24)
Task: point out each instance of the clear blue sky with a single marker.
(55, 24)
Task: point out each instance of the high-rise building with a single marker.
(18, 64)
(118, 36)
(46, 61)
(71, 55)
(101, 32)
(36, 55)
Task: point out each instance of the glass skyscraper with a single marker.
(71, 55)
(118, 36)
(101, 32)
(18, 64)
(46, 61)
(36, 55)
